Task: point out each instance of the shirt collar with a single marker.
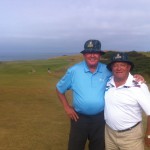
(129, 81)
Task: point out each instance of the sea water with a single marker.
(14, 56)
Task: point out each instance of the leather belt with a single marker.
(128, 128)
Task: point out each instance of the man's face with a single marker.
(120, 70)
(92, 59)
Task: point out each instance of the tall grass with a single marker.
(31, 116)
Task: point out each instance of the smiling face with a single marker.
(120, 70)
(92, 60)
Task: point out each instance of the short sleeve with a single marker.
(65, 82)
(144, 98)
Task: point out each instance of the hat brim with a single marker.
(128, 62)
(92, 51)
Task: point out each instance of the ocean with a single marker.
(17, 56)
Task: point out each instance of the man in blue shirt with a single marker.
(87, 80)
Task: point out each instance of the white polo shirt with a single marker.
(124, 104)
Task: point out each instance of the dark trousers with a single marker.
(89, 128)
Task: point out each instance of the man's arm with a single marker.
(68, 109)
(147, 140)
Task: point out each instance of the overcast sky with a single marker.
(65, 25)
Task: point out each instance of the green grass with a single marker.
(31, 116)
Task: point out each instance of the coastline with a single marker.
(32, 56)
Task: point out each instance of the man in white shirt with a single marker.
(125, 100)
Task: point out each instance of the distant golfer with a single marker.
(48, 70)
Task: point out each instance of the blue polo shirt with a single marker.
(87, 88)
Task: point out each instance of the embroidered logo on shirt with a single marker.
(135, 84)
(101, 79)
(108, 87)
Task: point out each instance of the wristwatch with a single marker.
(148, 136)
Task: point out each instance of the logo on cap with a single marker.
(118, 56)
(90, 45)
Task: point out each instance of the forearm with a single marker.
(62, 99)
(68, 109)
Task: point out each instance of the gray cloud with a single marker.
(66, 25)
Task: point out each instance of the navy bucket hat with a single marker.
(92, 46)
(120, 57)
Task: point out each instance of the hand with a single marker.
(139, 78)
(147, 141)
(71, 113)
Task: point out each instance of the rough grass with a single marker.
(31, 116)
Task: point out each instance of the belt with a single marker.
(128, 128)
